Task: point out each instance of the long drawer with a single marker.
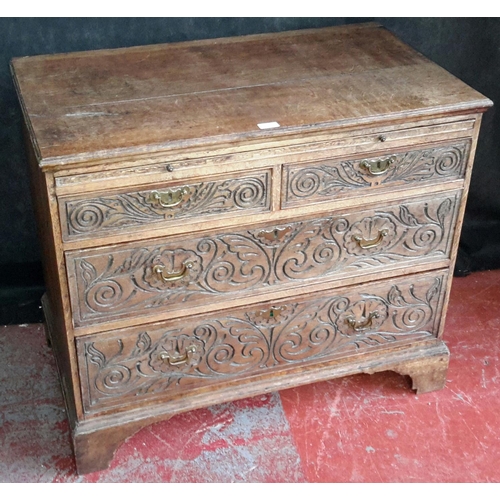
(182, 356)
(161, 277)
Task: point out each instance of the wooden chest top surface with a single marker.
(113, 103)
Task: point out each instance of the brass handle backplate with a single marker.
(365, 244)
(378, 167)
(159, 271)
(364, 324)
(177, 360)
(168, 199)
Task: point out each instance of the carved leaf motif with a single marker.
(207, 195)
(89, 274)
(242, 247)
(95, 356)
(120, 346)
(414, 166)
(406, 217)
(395, 297)
(97, 215)
(142, 345)
(132, 209)
(134, 262)
(433, 290)
(159, 385)
(375, 339)
(352, 173)
(443, 210)
(338, 179)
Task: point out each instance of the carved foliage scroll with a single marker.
(202, 270)
(202, 352)
(107, 213)
(330, 178)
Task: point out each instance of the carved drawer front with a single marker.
(176, 357)
(107, 213)
(109, 283)
(330, 179)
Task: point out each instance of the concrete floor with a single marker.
(357, 429)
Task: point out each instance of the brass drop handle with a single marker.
(359, 326)
(177, 360)
(365, 244)
(378, 167)
(168, 199)
(159, 271)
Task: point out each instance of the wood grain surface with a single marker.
(117, 102)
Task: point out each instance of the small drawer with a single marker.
(326, 180)
(175, 274)
(182, 356)
(103, 214)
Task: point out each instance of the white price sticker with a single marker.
(266, 125)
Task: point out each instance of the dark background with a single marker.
(468, 48)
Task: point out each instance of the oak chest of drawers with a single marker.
(229, 217)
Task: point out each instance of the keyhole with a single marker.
(364, 311)
(271, 313)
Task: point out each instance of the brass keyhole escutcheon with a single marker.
(274, 313)
(274, 235)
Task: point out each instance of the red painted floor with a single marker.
(357, 429)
